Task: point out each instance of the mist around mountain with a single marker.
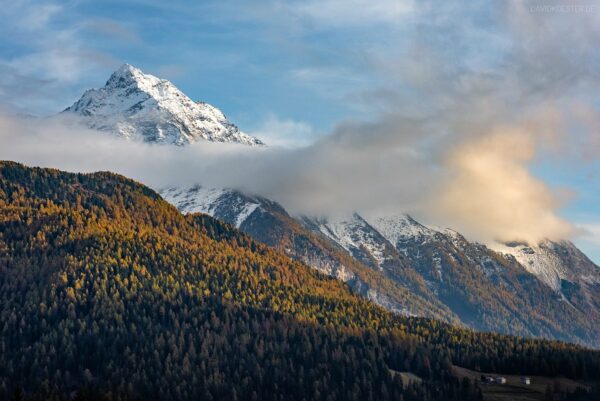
(547, 289)
(109, 293)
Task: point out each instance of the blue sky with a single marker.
(296, 71)
(245, 60)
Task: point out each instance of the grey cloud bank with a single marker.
(480, 186)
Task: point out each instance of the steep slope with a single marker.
(356, 236)
(564, 268)
(143, 107)
(105, 287)
(487, 290)
(484, 289)
(227, 205)
(461, 281)
(107, 290)
(555, 262)
(269, 223)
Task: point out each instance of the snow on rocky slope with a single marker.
(353, 234)
(143, 107)
(360, 266)
(225, 204)
(372, 241)
(259, 217)
(420, 269)
(554, 262)
(400, 228)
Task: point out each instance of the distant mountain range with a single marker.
(414, 269)
(549, 289)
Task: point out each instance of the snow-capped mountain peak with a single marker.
(128, 74)
(140, 106)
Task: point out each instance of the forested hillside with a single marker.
(108, 292)
(417, 270)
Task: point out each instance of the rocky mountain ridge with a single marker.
(445, 273)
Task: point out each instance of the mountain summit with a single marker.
(143, 107)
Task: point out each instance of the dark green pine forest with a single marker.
(109, 293)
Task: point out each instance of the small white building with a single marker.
(525, 380)
(500, 380)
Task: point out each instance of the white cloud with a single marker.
(590, 233)
(38, 16)
(52, 53)
(286, 133)
(588, 240)
(340, 13)
(492, 194)
(389, 166)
